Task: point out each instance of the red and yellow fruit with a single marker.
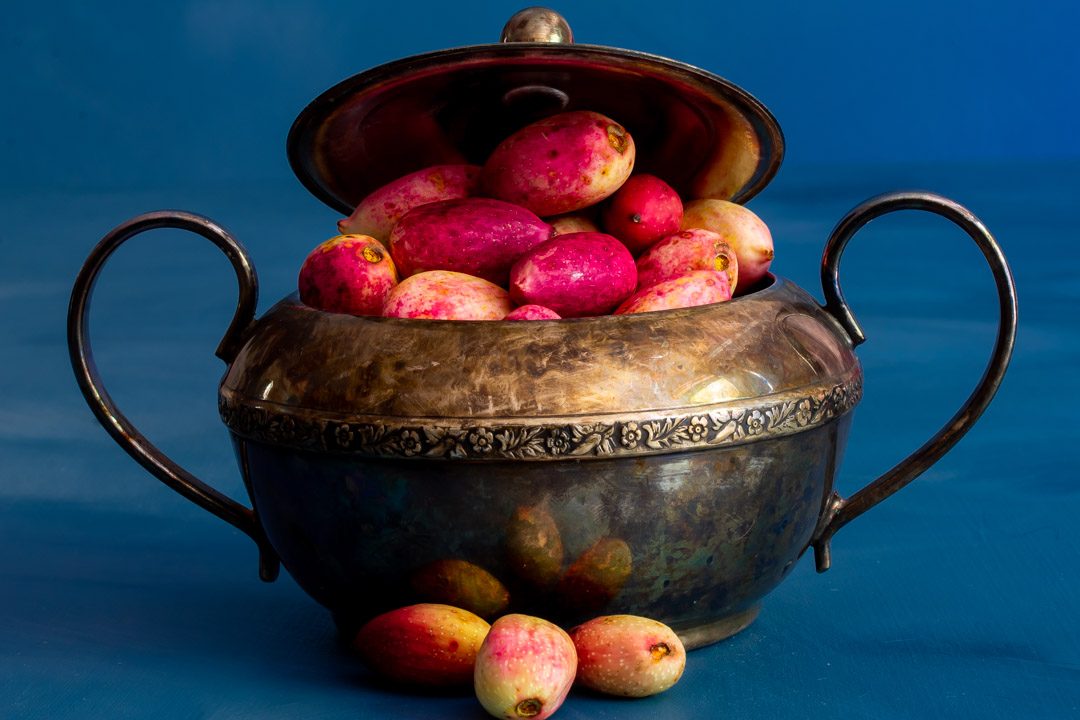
(427, 644)
(532, 312)
(701, 287)
(740, 228)
(377, 213)
(572, 223)
(561, 164)
(628, 655)
(684, 252)
(525, 668)
(347, 274)
(446, 295)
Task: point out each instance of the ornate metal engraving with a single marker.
(541, 438)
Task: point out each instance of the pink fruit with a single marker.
(446, 295)
(744, 231)
(525, 668)
(572, 223)
(477, 236)
(700, 287)
(426, 644)
(532, 312)
(628, 655)
(576, 275)
(377, 213)
(684, 252)
(347, 274)
(642, 211)
(560, 164)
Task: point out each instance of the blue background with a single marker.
(955, 598)
(203, 91)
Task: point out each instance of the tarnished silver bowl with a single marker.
(672, 464)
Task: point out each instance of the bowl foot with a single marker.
(696, 636)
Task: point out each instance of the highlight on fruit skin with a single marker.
(700, 287)
(380, 210)
(560, 164)
(424, 645)
(742, 229)
(642, 211)
(525, 668)
(350, 274)
(685, 251)
(577, 275)
(447, 295)
(477, 236)
(628, 655)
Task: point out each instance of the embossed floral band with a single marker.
(597, 436)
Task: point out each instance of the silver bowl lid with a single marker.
(702, 134)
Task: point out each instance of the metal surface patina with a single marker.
(671, 464)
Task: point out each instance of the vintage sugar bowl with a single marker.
(672, 464)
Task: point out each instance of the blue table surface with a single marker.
(955, 598)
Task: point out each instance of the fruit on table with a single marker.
(740, 228)
(377, 213)
(628, 655)
(462, 584)
(347, 274)
(447, 295)
(427, 644)
(700, 287)
(532, 312)
(642, 211)
(478, 236)
(524, 668)
(685, 252)
(576, 275)
(560, 164)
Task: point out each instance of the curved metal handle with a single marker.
(117, 425)
(840, 511)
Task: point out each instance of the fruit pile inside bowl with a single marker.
(555, 224)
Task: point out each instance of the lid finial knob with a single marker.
(537, 24)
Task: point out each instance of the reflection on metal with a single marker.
(537, 24)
